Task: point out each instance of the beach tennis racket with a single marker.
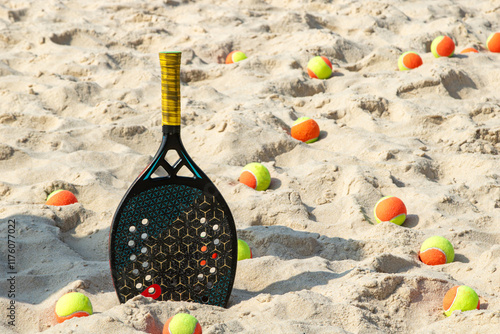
(173, 236)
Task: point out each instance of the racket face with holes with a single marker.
(173, 236)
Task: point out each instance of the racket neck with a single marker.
(171, 130)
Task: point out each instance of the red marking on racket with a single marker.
(154, 295)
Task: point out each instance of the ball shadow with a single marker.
(275, 183)
(461, 258)
(411, 221)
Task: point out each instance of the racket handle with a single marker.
(170, 63)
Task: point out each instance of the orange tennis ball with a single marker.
(442, 46)
(409, 61)
(72, 305)
(390, 209)
(305, 129)
(469, 50)
(460, 297)
(235, 57)
(61, 197)
(182, 323)
(493, 42)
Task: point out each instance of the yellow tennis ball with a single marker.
(442, 46)
(235, 57)
(409, 61)
(256, 176)
(390, 209)
(436, 250)
(244, 251)
(319, 68)
(71, 305)
(182, 323)
(460, 297)
(493, 42)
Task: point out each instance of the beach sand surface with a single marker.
(80, 110)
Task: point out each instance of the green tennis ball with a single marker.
(182, 323)
(436, 250)
(73, 304)
(460, 297)
(256, 176)
(244, 251)
(319, 68)
(409, 61)
(442, 46)
(235, 57)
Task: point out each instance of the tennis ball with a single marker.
(235, 57)
(319, 68)
(493, 42)
(305, 129)
(182, 323)
(460, 297)
(390, 209)
(409, 61)
(442, 46)
(71, 305)
(436, 250)
(469, 50)
(61, 197)
(244, 251)
(256, 176)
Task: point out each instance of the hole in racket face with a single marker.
(216, 241)
(138, 286)
(203, 234)
(204, 299)
(133, 257)
(151, 291)
(131, 243)
(144, 250)
(212, 270)
(145, 222)
(132, 229)
(216, 227)
(144, 236)
(203, 220)
(148, 277)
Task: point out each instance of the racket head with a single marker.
(175, 234)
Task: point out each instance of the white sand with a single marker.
(80, 110)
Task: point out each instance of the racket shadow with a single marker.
(302, 281)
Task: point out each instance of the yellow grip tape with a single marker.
(170, 63)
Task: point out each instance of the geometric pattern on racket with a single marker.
(173, 237)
